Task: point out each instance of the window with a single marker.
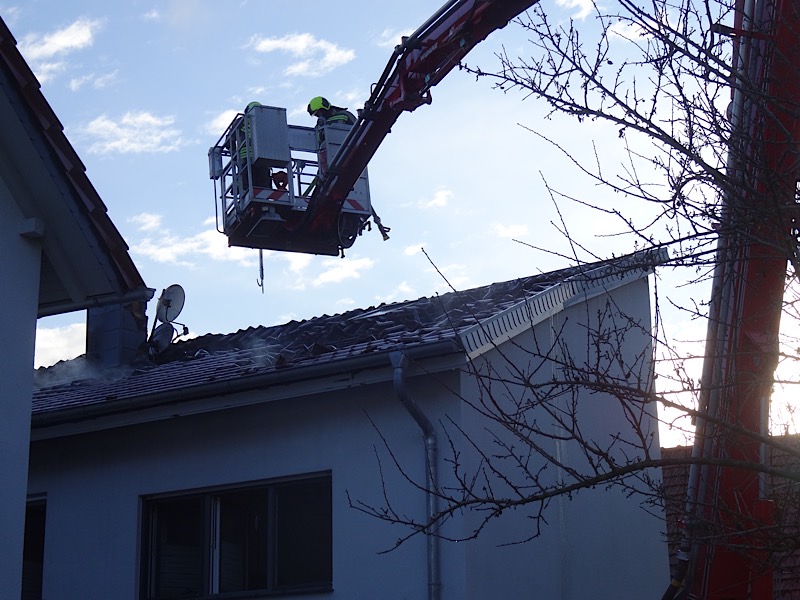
(269, 537)
(33, 551)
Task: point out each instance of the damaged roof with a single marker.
(466, 322)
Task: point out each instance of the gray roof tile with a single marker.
(260, 350)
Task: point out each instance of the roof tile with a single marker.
(326, 339)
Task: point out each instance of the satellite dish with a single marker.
(169, 307)
(161, 338)
(170, 304)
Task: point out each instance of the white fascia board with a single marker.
(509, 323)
(505, 325)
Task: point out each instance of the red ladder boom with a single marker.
(419, 63)
(729, 514)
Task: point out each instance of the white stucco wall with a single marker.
(93, 484)
(19, 299)
(598, 543)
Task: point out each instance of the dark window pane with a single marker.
(303, 533)
(178, 548)
(243, 541)
(266, 537)
(33, 552)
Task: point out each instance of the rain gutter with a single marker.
(399, 362)
(140, 294)
(235, 385)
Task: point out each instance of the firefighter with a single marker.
(328, 114)
(261, 174)
(243, 147)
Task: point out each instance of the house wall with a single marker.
(19, 296)
(597, 543)
(93, 484)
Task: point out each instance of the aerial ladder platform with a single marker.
(265, 173)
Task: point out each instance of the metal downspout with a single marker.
(399, 362)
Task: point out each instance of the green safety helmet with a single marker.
(252, 105)
(318, 103)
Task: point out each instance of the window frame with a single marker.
(211, 514)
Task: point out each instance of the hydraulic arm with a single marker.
(729, 514)
(421, 61)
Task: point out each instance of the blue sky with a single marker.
(143, 90)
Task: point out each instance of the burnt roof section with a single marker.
(260, 356)
(90, 215)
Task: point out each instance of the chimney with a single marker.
(115, 333)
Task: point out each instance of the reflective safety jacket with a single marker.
(340, 116)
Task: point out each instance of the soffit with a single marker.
(85, 259)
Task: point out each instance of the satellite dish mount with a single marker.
(170, 305)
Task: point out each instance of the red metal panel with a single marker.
(736, 568)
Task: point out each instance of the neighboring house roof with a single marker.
(785, 554)
(467, 323)
(85, 260)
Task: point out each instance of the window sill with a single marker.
(266, 594)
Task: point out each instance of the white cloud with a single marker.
(510, 231)
(96, 81)
(627, 31)
(316, 57)
(146, 221)
(162, 246)
(341, 269)
(439, 200)
(134, 132)
(218, 124)
(152, 15)
(297, 262)
(401, 292)
(389, 38)
(284, 318)
(77, 35)
(300, 109)
(45, 71)
(77, 83)
(455, 274)
(351, 98)
(11, 14)
(59, 343)
(46, 52)
(584, 7)
(404, 288)
(256, 91)
(102, 81)
(413, 249)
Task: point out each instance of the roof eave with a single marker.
(507, 324)
(312, 379)
(113, 267)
